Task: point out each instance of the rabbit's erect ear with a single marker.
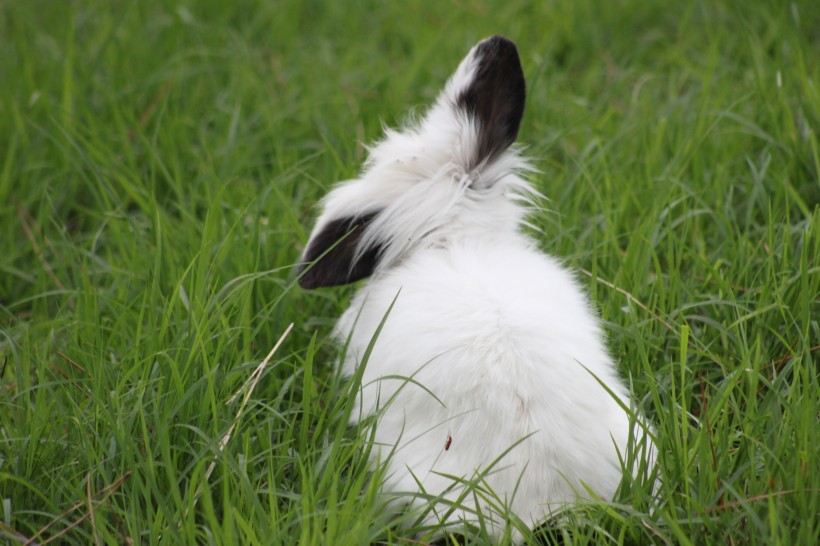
(493, 96)
(334, 249)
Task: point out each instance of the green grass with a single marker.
(159, 167)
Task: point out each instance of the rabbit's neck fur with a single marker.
(418, 179)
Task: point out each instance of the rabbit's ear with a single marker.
(493, 96)
(334, 249)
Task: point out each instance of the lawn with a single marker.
(160, 163)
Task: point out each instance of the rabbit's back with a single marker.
(501, 346)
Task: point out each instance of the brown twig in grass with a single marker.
(25, 221)
(67, 359)
(248, 387)
(788, 355)
(90, 502)
(756, 498)
(12, 387)
(12, 534)
(66, 376)
(148, 113)
(105, 492)
(778, 366)
(715, 282)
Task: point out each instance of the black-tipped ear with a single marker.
(335, 266)
(495, 98)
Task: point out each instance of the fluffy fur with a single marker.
(498, 338)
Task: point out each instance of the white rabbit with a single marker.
(500, 342)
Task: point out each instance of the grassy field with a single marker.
(159, 167)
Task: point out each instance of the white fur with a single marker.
(500, 333)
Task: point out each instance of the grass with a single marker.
(160, 164)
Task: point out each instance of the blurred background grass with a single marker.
(160, 163)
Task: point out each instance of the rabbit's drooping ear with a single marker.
(494, 96)
(335, 246)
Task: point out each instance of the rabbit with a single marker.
(490, 363)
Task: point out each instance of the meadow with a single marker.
(160, 163)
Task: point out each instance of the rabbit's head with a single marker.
(450, 176)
